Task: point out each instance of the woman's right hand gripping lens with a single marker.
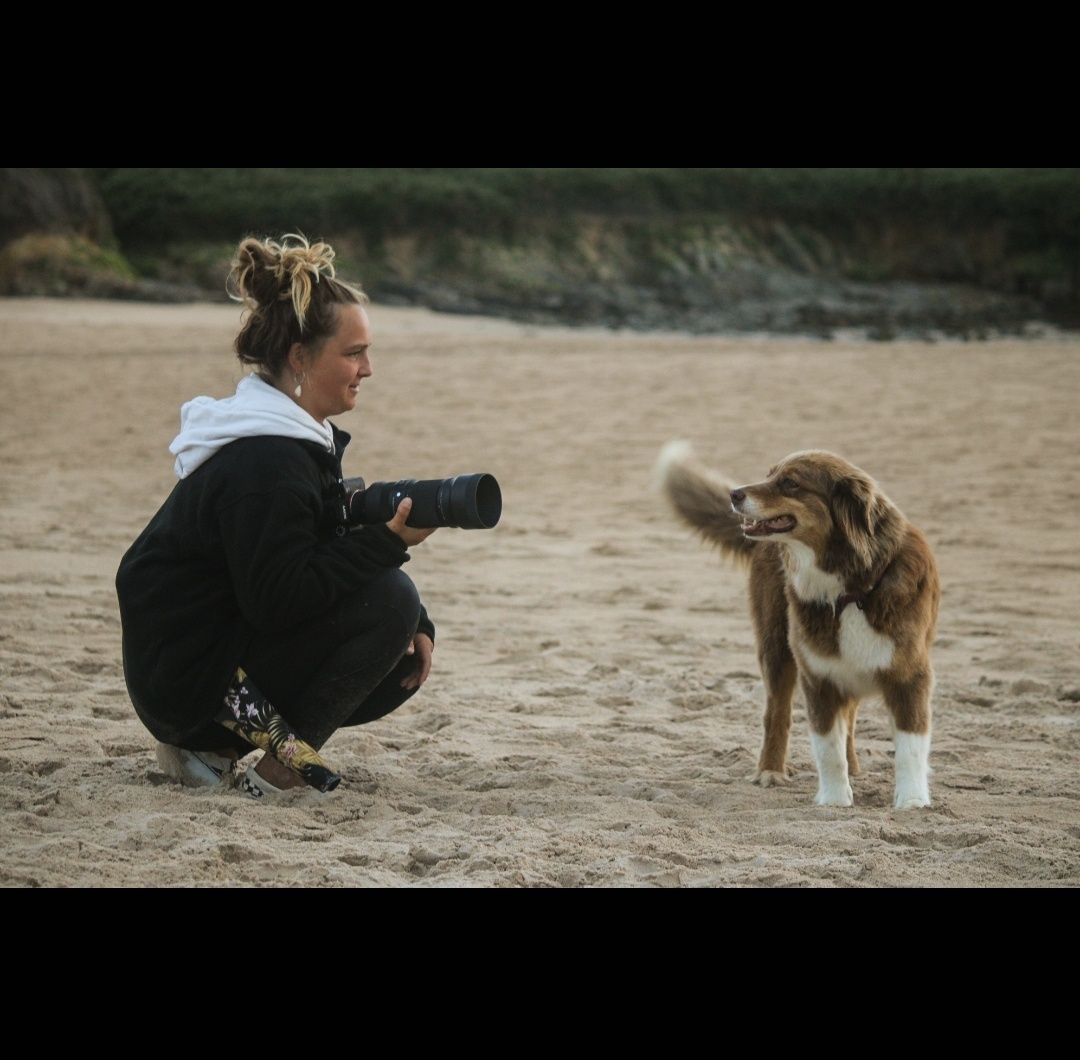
(410, 535)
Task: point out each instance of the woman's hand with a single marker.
(408, 534)
(422, 647)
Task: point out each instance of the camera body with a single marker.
(471, 502)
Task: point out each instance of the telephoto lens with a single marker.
(471, 502)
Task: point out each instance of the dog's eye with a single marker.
(788, 485)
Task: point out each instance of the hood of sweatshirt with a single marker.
(208, 424)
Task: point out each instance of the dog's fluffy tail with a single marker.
(701, 499)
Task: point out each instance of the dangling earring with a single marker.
(299, 388)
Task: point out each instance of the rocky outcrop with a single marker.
(709, 277)
(64, 201)
(56, 239)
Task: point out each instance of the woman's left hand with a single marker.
(422, 647)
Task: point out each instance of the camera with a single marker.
(471, 502)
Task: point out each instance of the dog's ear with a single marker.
(856, 508)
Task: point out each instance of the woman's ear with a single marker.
(295, 358)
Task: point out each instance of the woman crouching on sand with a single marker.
(251, 616)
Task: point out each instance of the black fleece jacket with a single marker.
(245, 545)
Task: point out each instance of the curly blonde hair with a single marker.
(290, 291)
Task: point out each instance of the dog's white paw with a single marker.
(835, 796)
(912, 788)
(911, 802)
(770, 778)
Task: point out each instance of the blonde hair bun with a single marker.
(290, 289)
(266, 270)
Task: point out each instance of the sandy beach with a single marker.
(594, 709)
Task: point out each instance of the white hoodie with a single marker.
(208, 424)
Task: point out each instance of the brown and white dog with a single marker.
(844, 596)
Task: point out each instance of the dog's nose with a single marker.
(737, 497)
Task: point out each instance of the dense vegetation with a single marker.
(178, 204)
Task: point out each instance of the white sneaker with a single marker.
(194, 769)
(255, 786)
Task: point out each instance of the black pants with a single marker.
(344, 668)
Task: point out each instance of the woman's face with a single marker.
(332, 378)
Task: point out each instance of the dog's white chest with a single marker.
(861, 646)
(862, 649)
(810, 582)
(862, 652)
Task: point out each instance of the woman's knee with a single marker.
(401, 594)
(389, 602)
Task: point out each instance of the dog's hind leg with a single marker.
(852, 757)
(778, 670)
(768, 610)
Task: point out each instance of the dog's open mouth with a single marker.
(780, 524)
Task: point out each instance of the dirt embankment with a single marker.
(887, 277)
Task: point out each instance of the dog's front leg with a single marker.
(827, 708)
(909, 704)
